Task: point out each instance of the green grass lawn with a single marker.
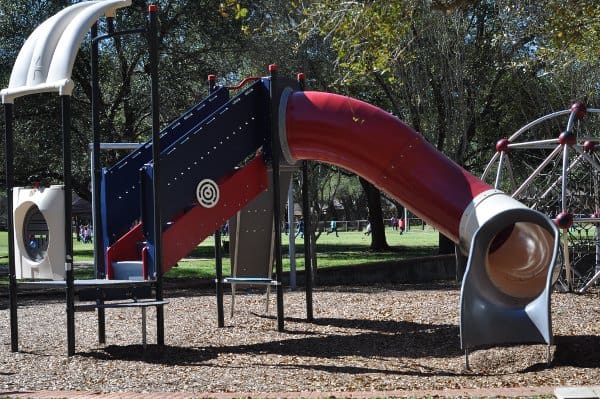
(350, 248)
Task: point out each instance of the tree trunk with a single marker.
(378, 241)
(399, 210)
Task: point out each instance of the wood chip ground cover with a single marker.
(364, 338)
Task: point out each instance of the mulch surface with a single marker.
(371, 341)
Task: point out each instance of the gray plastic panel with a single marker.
(251, 233)
(489, 317)
(128, 270)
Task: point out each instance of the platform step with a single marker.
(128, 270)
(250, 280)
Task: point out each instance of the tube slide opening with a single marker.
(514, 246)
(518, 259)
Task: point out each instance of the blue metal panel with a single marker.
(209, 151)
(120, 183)
(218, 144)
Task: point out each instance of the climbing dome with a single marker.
(552, 164)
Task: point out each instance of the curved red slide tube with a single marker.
(374, 144)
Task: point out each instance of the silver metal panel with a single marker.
(251, 233)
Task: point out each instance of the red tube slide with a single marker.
(378, 146)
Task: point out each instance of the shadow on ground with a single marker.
(154, 354)
(382, 339)
(577, 351)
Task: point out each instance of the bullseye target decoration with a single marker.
(207, 193)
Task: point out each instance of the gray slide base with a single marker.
(489, 317)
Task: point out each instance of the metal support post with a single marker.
(275, 150)
(219, 280)
(567, 259)
(308, 255)
(212, 85)
(99, 268)
(12, 276)
(292, 239)
(157, 220)
(565, 164)
(144, 339)
(70, 286)
(595, 277)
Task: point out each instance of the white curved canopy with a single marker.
(46, 60)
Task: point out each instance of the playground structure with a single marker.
(211, 162)
(37, 211)
(553, 166)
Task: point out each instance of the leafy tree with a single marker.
(464, 73)
(571, 28)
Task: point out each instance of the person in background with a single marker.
(300, 229)
(86, 235)
(333, 228)
(225, 229)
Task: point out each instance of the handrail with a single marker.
(243, 82)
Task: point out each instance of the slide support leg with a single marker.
(12, 278)
(275, 149)
(219, 280)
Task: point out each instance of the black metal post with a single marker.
(12, 276)
(219, 282)
(153, 38)
(99, 266)
(218, 252)
(275, 150)
(308, 275)
(70, 288)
